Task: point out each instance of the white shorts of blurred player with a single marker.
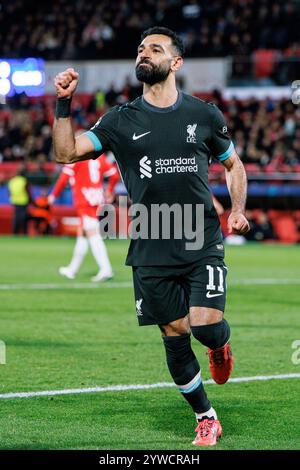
(89, 223)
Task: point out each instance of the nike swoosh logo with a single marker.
(136, 137)
(209, 295)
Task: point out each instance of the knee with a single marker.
(214, 335)
(176, 328)
(205, 316)
(178, 353)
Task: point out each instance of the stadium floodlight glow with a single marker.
(4, 69)
(29, 78)
(4, 86)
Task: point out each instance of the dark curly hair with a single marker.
(176, 40)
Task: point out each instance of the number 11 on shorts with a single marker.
(212, 270)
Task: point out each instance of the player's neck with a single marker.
(161, 95)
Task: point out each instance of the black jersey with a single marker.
(163, 155)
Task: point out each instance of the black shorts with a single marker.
(165, 293)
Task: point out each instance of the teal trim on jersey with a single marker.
(95, 141)
(192, 387)
(226, 154)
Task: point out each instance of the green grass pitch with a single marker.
(61, 338)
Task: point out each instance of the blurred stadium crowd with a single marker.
(266, 133)
(62, 29)
(262, 42)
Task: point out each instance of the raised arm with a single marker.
(67, 148)
(237, 185)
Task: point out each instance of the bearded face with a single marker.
(149, 73)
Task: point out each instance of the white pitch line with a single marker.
(126, 284)
(122, 388)
(264, 281)
(82, 285)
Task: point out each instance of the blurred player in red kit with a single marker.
(86, 180)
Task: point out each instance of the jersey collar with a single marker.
(157, 109)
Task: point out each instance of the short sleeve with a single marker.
(220, 143)
(104, 134)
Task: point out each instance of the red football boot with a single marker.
(220, 363)
(208, 431)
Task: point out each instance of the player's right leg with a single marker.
(185, 371)
(160, 300)
(79, 253)
(92, 230)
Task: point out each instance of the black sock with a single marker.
(185, 370)
(213, 336)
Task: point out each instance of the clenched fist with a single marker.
(66, 83)
(237, 223)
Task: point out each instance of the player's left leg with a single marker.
(210, 328)
(92, 231)
(207, 296)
